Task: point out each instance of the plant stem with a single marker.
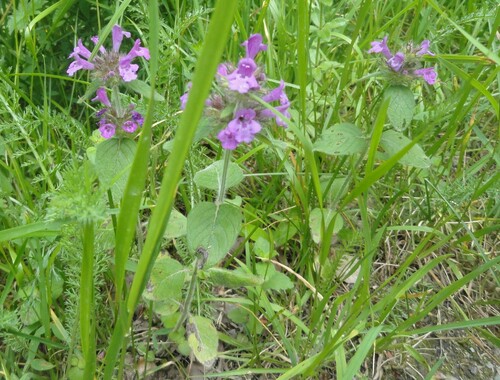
(189, 297)
(87, 317)
(115, 101)
(222, 185)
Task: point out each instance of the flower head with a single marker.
(108, 65)
(113, 121)
(396, 61)
(407, 64)
(235, 104)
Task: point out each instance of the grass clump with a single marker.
(320, 201)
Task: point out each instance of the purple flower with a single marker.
(242, 128)
(108, 64)
(101, 113)
(128, 70)
(130, 126)
(227, 137)
(275, 95)
(79, 53)
(243, 79)
(396, 61)
(184, 99)
(381, 47)
(137, 118)
(107, 129)
(117, 34)
(253, 45)
(429, 74)
(102, 97)
(222, 70)
(424, 48)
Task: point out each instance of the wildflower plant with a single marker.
(402, 68)
(233, 102)
(110, 69)
(212, 228)
(406, 64)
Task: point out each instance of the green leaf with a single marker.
(177, 225)
(211, 176)
(165, 285)
(316, 217)
(233, 278)
(283, 233)
(113, 160)
(401, 106)
(341, 139)
(262, 248)
(392, 142)
(213, 228)
(272, 278)
(144, 89)
(41, 365)
(5, 186)
(203, 339)
(179, 338)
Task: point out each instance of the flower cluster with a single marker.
(111, 68)
(110, 117)
(108, 65)
(237, 88)
(406, 63)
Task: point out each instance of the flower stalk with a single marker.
(222, 184)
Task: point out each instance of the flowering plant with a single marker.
(111, 68)
(234, 103)
(406, 63)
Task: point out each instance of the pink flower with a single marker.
(381, 47)
(107, 65)
(107, 130)
(242, 128)
(102, 97)
(396, 61)
(429, 74)
(253, 45)
(275, 95)
(424, 48)
(243, 79)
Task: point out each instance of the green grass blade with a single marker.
(361, 351)
(460, 325)
(302, 54)
(483, 49)
(37, 229)
(206, 66)
(131, 201)
(127, 217)
(440, 297)
(481, 87)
